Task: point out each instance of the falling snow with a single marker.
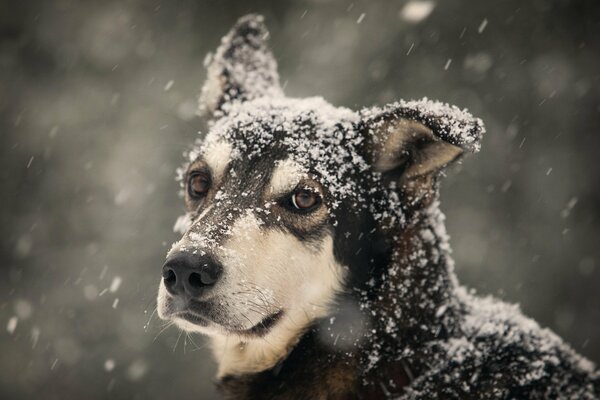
(417, 11)
(12, 325)
(478, 332)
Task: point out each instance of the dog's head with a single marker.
(283, 195)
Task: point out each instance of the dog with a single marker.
(314, 252)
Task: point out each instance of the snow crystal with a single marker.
(35, 336)
(53, 132)
(416, 11)
(242, 57)
(137, 369)
(12, 325)
(567, 210)
(103, 272)
(109, 365)
(90, 292)
(23, 309)
(115, 284)
(482, 26)
(122, 196)
(447, 65)
(480, 63)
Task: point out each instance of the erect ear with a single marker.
(414, 140)
(243, 68)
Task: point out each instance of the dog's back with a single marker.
(503, 354)
(500, 354)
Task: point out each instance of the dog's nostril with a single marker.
(195, 280)
(169, 276)
(209, 276)
(186, 274)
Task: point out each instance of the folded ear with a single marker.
(414, 140)
(243, 68)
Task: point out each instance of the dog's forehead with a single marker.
(318, 137)
(257, 126)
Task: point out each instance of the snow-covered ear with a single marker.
(243, 68)
(416, 139)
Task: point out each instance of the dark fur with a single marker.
(369, 347)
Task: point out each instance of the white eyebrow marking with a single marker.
(286, 176)
(217, 155)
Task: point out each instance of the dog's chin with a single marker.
(193, 316)
(192, 322)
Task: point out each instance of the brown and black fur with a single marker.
(402, 326)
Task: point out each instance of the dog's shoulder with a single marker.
(503, 354)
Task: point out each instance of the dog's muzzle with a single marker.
(190, 276)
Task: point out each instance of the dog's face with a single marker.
(262, 194)
(282, 195)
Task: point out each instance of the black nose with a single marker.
(189, 274)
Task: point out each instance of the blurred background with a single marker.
(97, 104)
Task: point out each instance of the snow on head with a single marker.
(311, 133)
(448, 122)
(419, 313)
(333, 144)
(243, 68)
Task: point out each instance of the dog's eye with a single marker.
(304, 199)
(198, 184)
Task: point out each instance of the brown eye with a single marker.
(305, 199)
(198, 184)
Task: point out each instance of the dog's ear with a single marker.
(243, 68)
(413, 141)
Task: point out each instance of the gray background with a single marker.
(90, 140)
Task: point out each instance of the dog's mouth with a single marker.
(203, 315)
(264, 326)
(192, 318)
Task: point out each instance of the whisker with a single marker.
(167, 326)
(150, 319)
(177, 341)
(196, 345)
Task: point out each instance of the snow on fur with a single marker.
(246, 62)
(448, 122)
(463, 346)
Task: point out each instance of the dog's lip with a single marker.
(263, 327)
(188, 310)
(191, 316)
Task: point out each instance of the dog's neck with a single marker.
(239, 356)
(413, 304)
(416, 301)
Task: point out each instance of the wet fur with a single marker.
(391, 320)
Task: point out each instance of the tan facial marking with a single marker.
(397, 138)
(217, 155)
(285, 177)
